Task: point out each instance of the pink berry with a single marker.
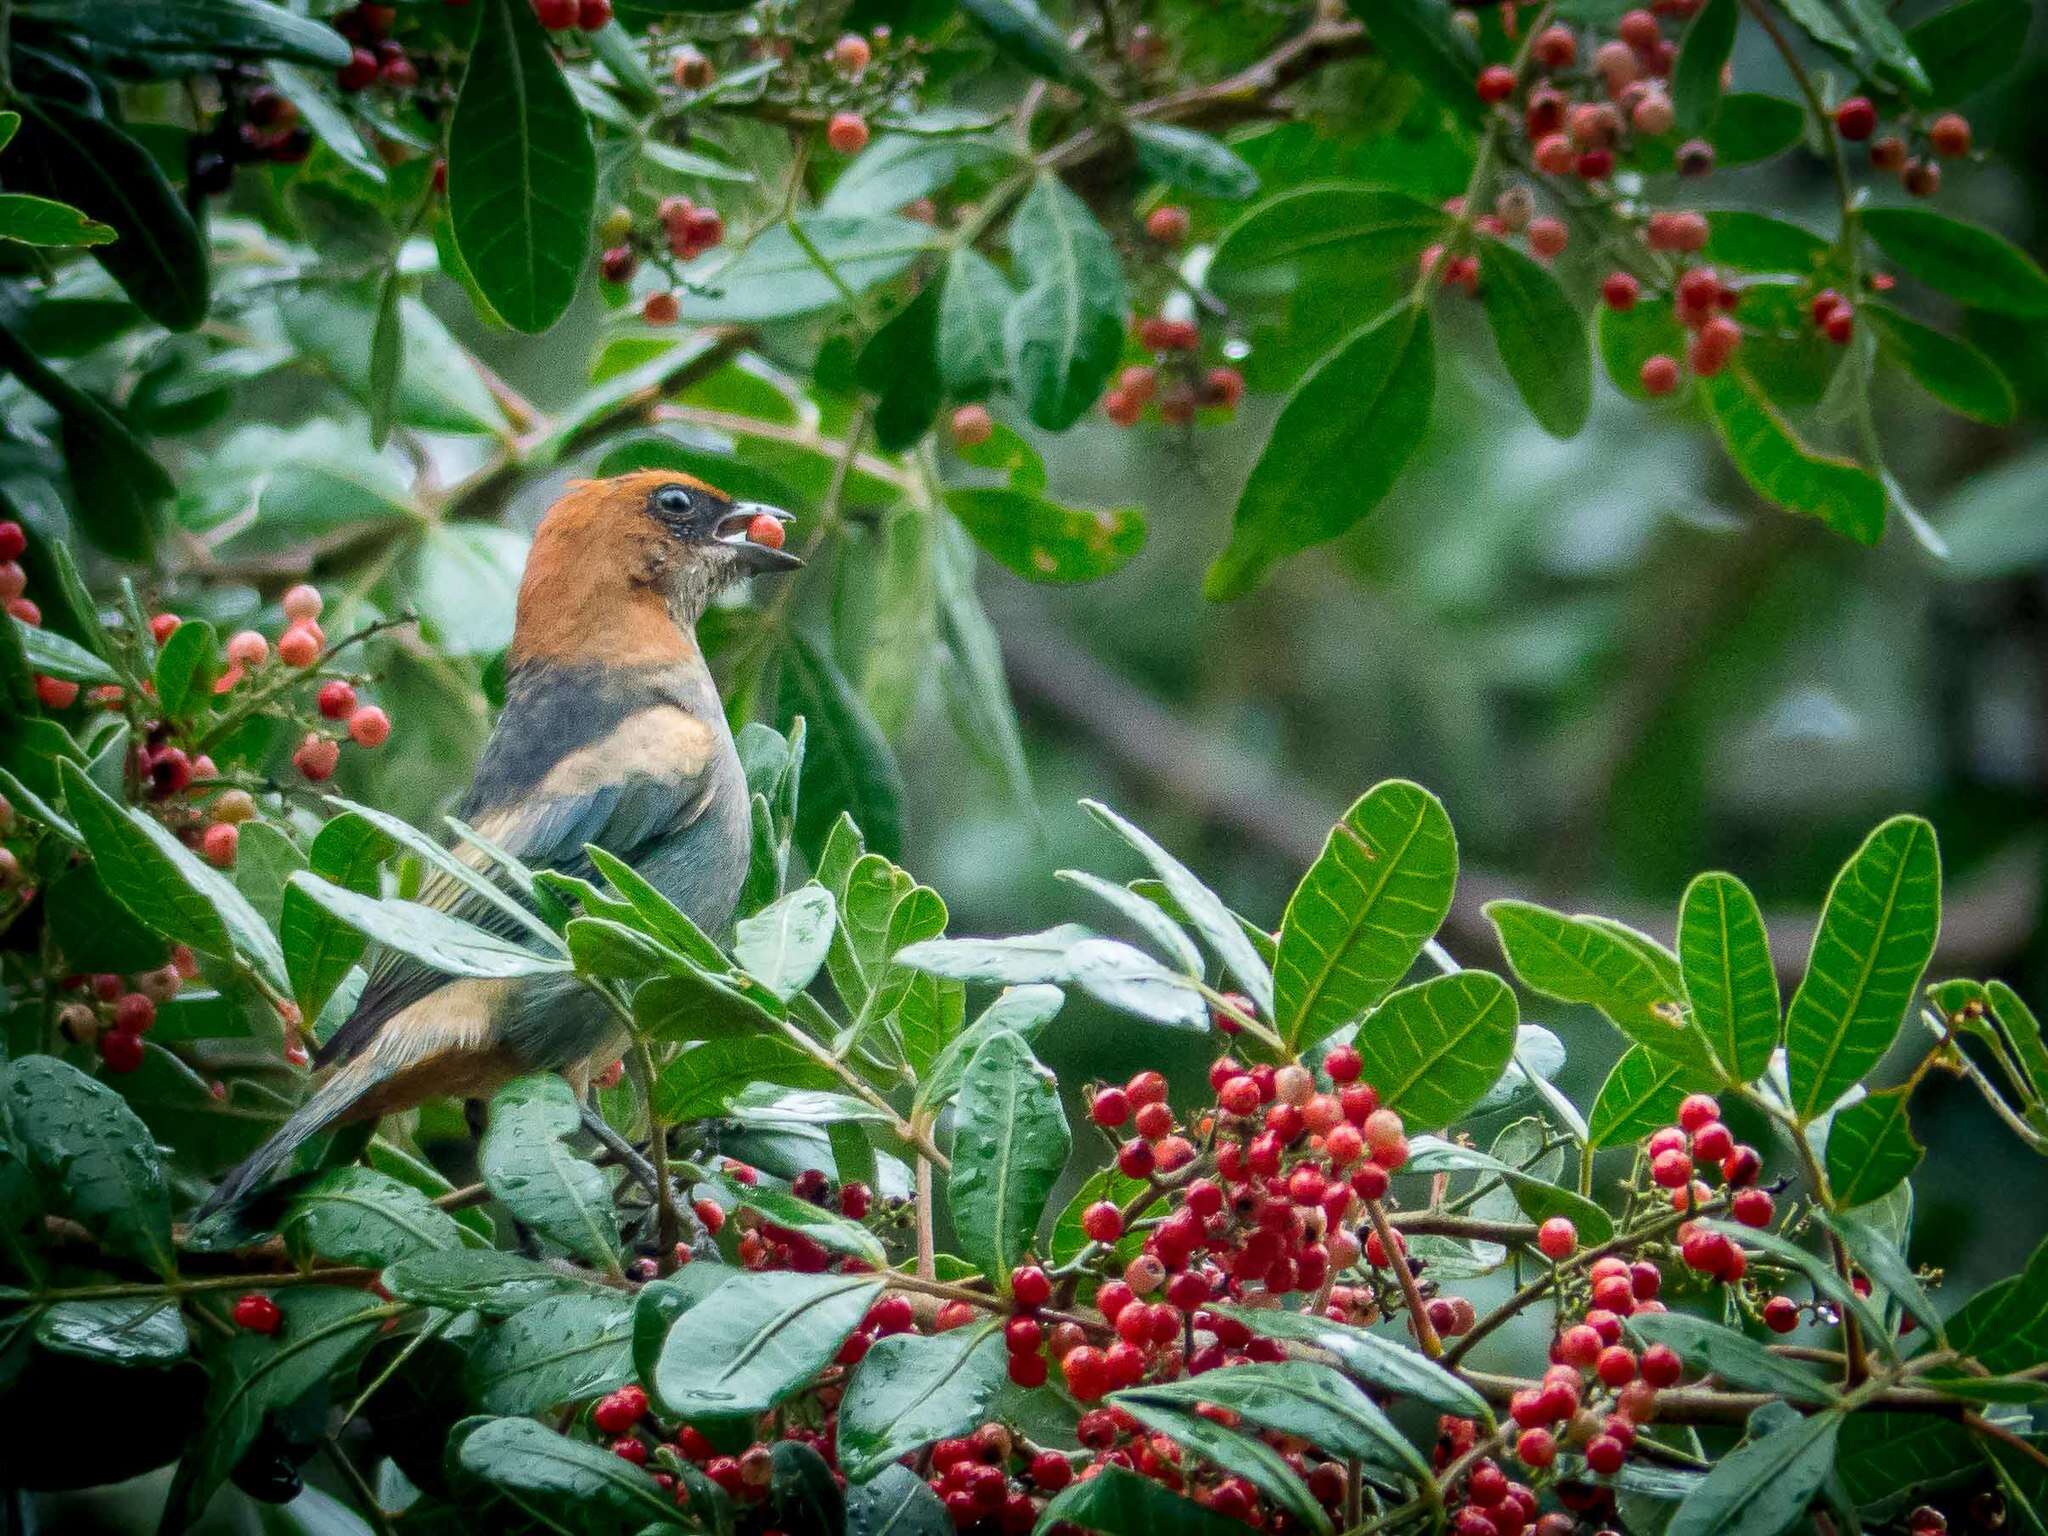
(847, 133)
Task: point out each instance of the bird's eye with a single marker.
(674, 500)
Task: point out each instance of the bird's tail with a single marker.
(329, 1103)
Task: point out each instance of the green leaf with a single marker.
(564, 1482)
(1961, 260)
(1341, 441)
(1064, 334)
(1873, 25)
(485, 1280)
(1730, 982)
(1819, 1272)
(1435, 1048)
(1240, 1455)
(132, 1330)
(899, 168)
(561, 1349)
(522, 173)
(2005, 1325)
(1538, 1198)
(1028, 957)
(1763, 1488)
(239, 29)
(1417, 38)
(1043, 541)
(86, 161)
(1963, 48)
(1541, 337)
(1379, 1361)
(1954, 372)
(828, 1230)
(326, 119)
(1362, 912)
(186, 668)
(775, 278)
(1021, 30)
(1629, 338)
(1127, 978)
(783, 945)
(1577, 961)
(427, 381)
(910, 1390)
(1195, 162)
(984, 714)
(847, 765)
(1165, 934)
(319, 948)
(43, 221)
(1296, 1398)
(1365, 226)
(361, 1216)
(164, 884)
(1875, 937)
(1871, 1147)
(1702, 54)
(93, 1158)
(773, 1331)
(972, 305)
(1117, 1502)
(1754, 126)
(1010, 1141)
(1881, 1259)
(1204, 910)
(1023, 1011)
(1756, 242)
(438, 941)
(662, 917)
(1734, 1357)
(896, 1502)
(51, 654)
(1783, 470)
(530, 1169)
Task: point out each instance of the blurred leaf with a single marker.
(1882, 1260)
(1876, 935)
(561, 1349)
(1021, 30)
(1629, 338)
(1880, 34)
(462, 580)
(1641, 1093)
(1117, 1502)
(775, 278)
(899, 168)
(1961, 260)
(1043, 541)
(64, 153)
(1127, 978)
(1148, 918)
(2005, 1325)
(1542, 338)
(485, 1280)
(94, 1160)
(1818, 20)
(986, 717)
(43, 221)
(1992, 522)
(361, 1216)
(1341, 441)
(525, 1159)
(1418, 39)
(1064, 333)
(1010, 1143)
(1964, 48)
(567, 1484)
(970, 338)
(54, 656)
(1764, 1487)
(703, 1080)
(1753, 126)
(1954, 372)
(432, 384)
(1019, 961)
(1703, 53)
(1436, 1047)
(1195, 162)
(1370, 226)
(1730, 982)
(1757, 242)
(326, 119)
(240, 29)
(910, 1390)
(522, 175)
(900, 367)
(1782, 470)
(186, 668)
(1871, 1147)
(848, 765)
(775, 1332)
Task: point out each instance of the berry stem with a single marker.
(668, 1219)
(1418, 1314)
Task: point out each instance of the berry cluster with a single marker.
(1584, 117)
(1911, 154)
(112, 1013)
(1186, 388)
(375, 58)
(573, 15)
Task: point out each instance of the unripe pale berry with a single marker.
(1547, 236)
(1167, 224)
(248, 649)
(369, 726)
(297, 647)
(847, 132)
(851, 54)
(971, 426)
(303, 602)
(1949, 134)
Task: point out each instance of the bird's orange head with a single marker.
(621, 569)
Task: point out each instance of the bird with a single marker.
(612, 734)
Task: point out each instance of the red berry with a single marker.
(1030, 1286)
(971, 425)
(55, 692)
(1153, 1121)
(1605, 1454)
(1022, 1335)
(1949, 134)
(1147, 1088)
(316, 757)
(1086, 1371)
(1051, 1471)
(765, 529)
(299, 647)
(1620, 291)
(556, 15)
(1781, 1314)
(25, 610)
(1557, 1237)
(337, 700)
(13, 541)
(1536, 1448)
(121, 1051)
(851, 54)
(1110, 1108)
(1578, 1345)
(1712, 1142)
(1616, 1366)
(1495, 83)
(358, 72)
(1342, 1064)
(1856, 118)
(1223, 388)
(219, 843)
(1840, 324)
(1752, 1207)
(1103, 1222)
(1555, 48)
(847, 132)
(1168, 224)
(1028, 1370)
(1135, 1158)
(1547, 237)
(1671, 1169)
(710, 1214)
(257, 1313)
(1698, 1108)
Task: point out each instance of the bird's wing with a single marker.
(645, 782)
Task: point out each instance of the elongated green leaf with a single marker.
(847, 762)
(424, 378)
(1965, 261)
(1963, 48)
(529, 1168)
(1880, 35)
(1577, 961)
(1127, 978)
(1380, 1361)
(1954, 372)
(1541, 337)
(1117, 1502)
(34, 220)
(899, 168)
(52, 654)
(784, 944)
(1756, 242)
(240, 29)
(1166, 934)
(1043, 541)
(1341, 441)
(1029, 957)
(562, 1349)
(775, 278)
(1882, 1259)
(1871, 1147)
(92, 1157)
(132, 1330)
(2005, 1325)
(1195, 162)
(1365, 226)
(1876, 935)
(522, 173)
(910, 1390)
(1783, 470)
(361, 1216)
(1239, 1454)
(319, 948)
(971, 309)
(326, 119)
(1024, 32)
(1010, 1141)
(1434, 1049)
(1418, 39)
(563, 1481)
(703, 1080)
(486, 1280)
(1763, 1488)
(1730, 983)
(432, 937)
(1296, 1397)
(772, 1333)
(1063, 334)
(1641, 1093)
(1702, 55)
(186, 667)
(1818, 1271)
(1360, 916)
(1734, 1357)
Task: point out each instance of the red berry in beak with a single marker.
(764, 529)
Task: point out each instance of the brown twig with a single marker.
(1397, 1260)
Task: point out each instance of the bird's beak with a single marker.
(755, 557)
